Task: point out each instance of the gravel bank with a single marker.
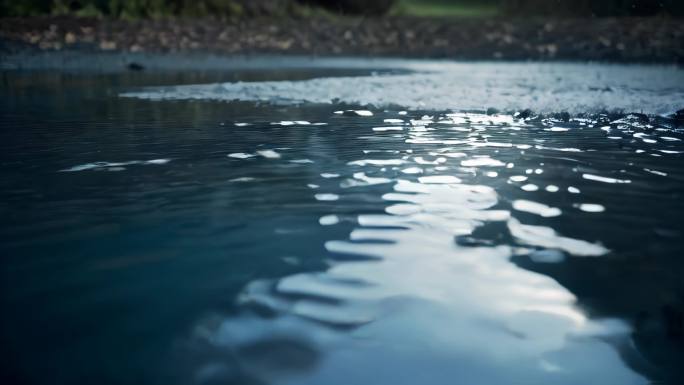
(657, 40)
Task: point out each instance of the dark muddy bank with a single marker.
(657, 40)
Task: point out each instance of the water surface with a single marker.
(342, 222)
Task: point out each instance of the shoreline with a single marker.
(611, 40)
(582, 89)
(89, 61)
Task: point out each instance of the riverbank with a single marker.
(625, 40)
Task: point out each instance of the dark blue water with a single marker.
(292, 227)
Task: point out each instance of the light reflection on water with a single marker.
(463, 86)
(318, 244)
(403, 301)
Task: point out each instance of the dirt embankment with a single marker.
(656, 39)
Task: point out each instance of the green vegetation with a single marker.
(143, 8)
(447, 8)
(24, 8)
(486, 8)
(593, 7)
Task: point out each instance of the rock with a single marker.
(106, 45)
(678, 117)
(70, 38)
(133, 66)
(638, 117)
(564, 116)
(525, 114)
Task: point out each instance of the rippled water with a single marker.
(359, 225)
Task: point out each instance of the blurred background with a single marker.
(429, 8)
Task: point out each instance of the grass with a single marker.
(445, 8)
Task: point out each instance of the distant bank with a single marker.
(627, 39)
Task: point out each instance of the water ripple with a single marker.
(420, 284)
